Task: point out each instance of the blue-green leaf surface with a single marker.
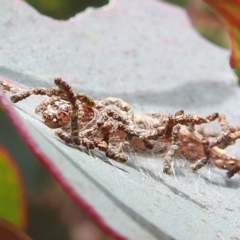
(147, 53)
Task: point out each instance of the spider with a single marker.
(111, 126)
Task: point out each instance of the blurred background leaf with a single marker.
(8, 231)
(64, 9)
(12, 194)
(229, 12)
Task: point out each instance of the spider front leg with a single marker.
(113, 150)
(172, 150)
(54, 91)
(8, 87)
(72, 98)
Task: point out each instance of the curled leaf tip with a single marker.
(229, 13)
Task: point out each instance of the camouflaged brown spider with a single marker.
(111, 126)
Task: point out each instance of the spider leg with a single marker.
(8, 87)
(81, 140)
(219, 159)
(195, 119)
(36, 91)
(173, 148)
(203, 161)
(132, 129)
(114, 150)
(189, 120)
(72, 98)
(235, 168)
(84, 99)
(208, 145)
(229, 135)
(223, 138)
(226, 137)
(108, 128)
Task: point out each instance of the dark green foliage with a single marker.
(64, 9)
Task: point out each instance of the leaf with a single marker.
(138, 51)
(9, 231)
(229, 12)
(12, 202)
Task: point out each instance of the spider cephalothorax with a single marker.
(111, 126)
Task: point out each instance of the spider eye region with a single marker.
(55, 112)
